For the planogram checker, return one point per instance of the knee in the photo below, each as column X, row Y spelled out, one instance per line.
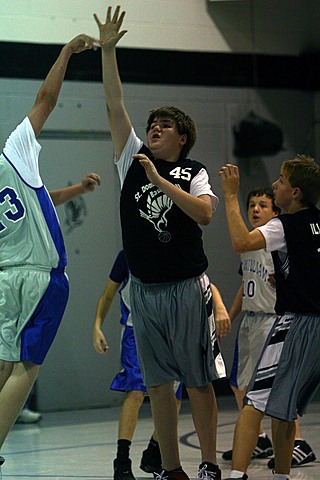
column 135, row 396
column 5, row 366
column 27, row 367
column 200, row 391
column 164, row 391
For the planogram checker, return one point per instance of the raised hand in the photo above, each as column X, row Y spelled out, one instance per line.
column 83, row 42
column 151, row 171
column 90, row 181
column 229, row 179
column 110, row 33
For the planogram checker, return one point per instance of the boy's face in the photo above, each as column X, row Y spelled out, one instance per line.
column 260, row 210
column 283, row 192
column 164, row 140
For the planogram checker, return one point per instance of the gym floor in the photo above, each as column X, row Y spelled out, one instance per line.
column 81, row 444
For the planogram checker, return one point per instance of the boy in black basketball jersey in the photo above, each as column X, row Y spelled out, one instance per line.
column 164, row 197
column 288, row 372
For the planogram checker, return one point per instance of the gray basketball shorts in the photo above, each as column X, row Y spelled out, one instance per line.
column 288, row 373
column 252, row 335
column 175, row 332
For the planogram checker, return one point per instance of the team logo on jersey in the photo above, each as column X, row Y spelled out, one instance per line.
column 158, row 206
column 75, row 211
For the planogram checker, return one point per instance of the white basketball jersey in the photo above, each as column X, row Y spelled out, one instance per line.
column 257, row 295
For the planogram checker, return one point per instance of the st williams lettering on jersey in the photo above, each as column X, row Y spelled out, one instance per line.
column 315, row 229
column 251, row 265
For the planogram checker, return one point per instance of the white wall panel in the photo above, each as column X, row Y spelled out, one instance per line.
column 281, row 26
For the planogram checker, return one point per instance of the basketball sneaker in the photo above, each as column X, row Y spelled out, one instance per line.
column 263, row 449
column 122, row 470
column 302, row 454
column 208, row 471
column 151, row 459
column 28, row 416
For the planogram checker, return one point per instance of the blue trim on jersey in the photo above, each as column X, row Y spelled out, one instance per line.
column 51, row 219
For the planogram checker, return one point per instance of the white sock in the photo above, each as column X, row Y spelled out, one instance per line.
column 236, row 474
column 281, row 476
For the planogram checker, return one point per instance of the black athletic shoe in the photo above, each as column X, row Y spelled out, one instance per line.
column 151, row 460
column 263, row 449
column 302, row 454
column 122, row 470
column 208, row 472
column 227, row 455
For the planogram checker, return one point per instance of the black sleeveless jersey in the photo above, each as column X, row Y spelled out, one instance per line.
column 161, row 242
column 298, row 275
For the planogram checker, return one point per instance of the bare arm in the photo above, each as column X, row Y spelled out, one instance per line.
column 63, row 195
column 242, row 240
column 221, row 317
column 119, row 120
column 99, row 341
column 48, row 93
column 236, row 305
column 197, row 208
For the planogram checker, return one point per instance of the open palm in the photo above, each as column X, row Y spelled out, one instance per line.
column 110, row 31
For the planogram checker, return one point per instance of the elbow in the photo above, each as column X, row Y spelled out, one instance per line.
column 205, row 219
column 205, row 222
column 240, row 246
column 51, row 100
column 47, row 98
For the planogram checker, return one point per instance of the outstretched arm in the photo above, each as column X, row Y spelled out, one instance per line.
column 119, row 120
column 63, row 195
column 99, row 341
column 49, row 91
column 242, row 240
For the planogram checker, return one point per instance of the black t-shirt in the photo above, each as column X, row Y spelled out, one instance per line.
column 161, row 242
column 298, row 275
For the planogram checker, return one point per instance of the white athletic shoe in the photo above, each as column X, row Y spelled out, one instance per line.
column 28, row 416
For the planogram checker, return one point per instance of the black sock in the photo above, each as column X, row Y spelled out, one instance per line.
column 123, row 450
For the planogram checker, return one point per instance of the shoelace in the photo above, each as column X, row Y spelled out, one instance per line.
column 160, row 476
column 204, row 474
